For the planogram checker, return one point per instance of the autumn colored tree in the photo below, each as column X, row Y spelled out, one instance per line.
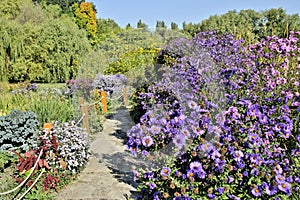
column 85, row 15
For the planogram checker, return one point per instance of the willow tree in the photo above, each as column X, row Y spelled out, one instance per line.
column 40, row 45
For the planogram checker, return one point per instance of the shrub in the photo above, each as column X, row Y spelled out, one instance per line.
column 223, row 123
column 18, row 130
column 111, row 84
column 73, row 146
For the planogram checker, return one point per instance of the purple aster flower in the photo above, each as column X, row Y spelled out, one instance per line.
column 165, row 171
column 254, row 172
column 155, row 129
column 197, row 130
column 196, row 166
column 201, row 174
column 211, row 196
column 289, row 179
column 230, row 179
column 215, row 154
column 185, row 132
column 256, row 191
column 150, row 175
column 253, row 111
column 190, row 173
column 269, row 134
column 263, row 119
column 270, row 191
column 193, row 105
column 238, row 155
column 245, row 173
column 255, row 139
column 147, row 141
column 145, row 153
column 278, row 127
column 285, row 187
column 278, row 169
column 255, row 159
column 279, row 178
column 179, row 140
column 220, row 190
column 240, row 165
column 152, row 186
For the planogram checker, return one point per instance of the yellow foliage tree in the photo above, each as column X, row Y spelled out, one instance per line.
column 86, row 17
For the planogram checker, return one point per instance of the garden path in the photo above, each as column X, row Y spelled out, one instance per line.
column 107, row 175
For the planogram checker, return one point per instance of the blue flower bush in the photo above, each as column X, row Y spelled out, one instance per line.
column 222, row 122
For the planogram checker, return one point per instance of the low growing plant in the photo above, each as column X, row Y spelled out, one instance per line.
column 18, row 130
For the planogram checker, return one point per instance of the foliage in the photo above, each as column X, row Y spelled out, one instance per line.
column 63, row 4
column 49, row 104
column 223, row 122
column 6, row 159
column 107, row 27
column 131, row 60
column 86, row 17
column 18, row 130
column 40, row 45
column 141, row 25
column 252, row 25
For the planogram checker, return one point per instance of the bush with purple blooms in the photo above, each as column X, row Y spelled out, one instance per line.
column 111, row 84
column 223, row 122
column 80, row 87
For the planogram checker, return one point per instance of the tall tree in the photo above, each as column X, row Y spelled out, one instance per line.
column 141, row 25
column 128, row 26
column 86, row 17
column 174, row 26
column 64, row 4
column 160, row 24
column 107, row 26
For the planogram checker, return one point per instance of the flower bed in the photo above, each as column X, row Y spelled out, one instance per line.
column 223, row 122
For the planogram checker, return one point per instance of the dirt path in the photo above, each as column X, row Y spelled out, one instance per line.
column 108, row 173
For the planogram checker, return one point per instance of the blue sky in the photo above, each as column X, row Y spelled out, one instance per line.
column 130, row 11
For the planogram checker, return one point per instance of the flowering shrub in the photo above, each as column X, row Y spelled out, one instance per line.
column 25, row 87
column 79, row 87
column 223, row 123
column 111, row 84
column 73, row 147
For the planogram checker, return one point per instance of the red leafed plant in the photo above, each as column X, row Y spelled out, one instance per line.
column 30, row 157
column 50, row 182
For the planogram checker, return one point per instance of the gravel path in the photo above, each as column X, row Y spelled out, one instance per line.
column 108, row 174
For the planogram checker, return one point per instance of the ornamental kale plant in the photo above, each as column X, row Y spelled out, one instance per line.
column 223, row 123
column 18, row 130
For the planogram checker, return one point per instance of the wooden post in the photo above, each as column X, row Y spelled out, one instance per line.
column 85, row 111
column 103, row 101
column 125, row 96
